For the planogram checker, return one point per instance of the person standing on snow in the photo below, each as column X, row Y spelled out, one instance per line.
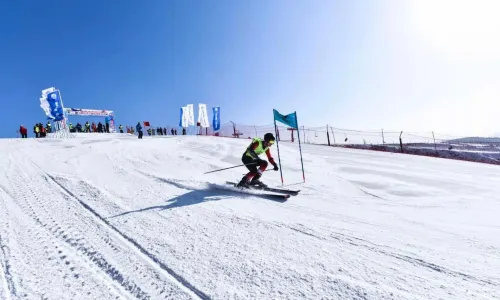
column 138, row 127
column 251, row 159
column 106, row 126
column 23, row 131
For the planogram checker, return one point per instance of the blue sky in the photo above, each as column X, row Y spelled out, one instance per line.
column 399, row 65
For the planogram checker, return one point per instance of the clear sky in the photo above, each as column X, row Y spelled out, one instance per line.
column 399, row 65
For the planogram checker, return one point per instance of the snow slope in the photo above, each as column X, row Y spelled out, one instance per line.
column 113, row 217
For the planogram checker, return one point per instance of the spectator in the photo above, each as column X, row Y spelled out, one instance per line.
column 183, row 131
column 24, row 132
column 94, row 127
column 42, row 131
column 99, row 127
column 36, row 131
column 87, row 127
column 165, row 131
column 172, row 131
column 106, row 121
column 49, row 127
column 121, row 128
column 139, row 129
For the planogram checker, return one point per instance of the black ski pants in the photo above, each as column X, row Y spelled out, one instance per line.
column 253, row 168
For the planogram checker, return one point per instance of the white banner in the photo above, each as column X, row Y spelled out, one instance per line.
column 88, row 112
column 185, row 117
column 203, row 115
column 190, row 114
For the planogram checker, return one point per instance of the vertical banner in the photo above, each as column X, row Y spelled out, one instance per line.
column 185, row 117
column 181, row 116
column 216, row 119
column 190, row 114
column 51, row 103
column 203, row 115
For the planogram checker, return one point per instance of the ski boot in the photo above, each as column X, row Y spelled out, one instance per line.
column 244, row 183
column 257, row 183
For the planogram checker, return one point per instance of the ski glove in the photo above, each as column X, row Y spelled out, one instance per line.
column 258, row 161
column 276, row 167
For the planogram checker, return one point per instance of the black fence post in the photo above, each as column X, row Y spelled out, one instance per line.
column 401, row 142
column 327, row 135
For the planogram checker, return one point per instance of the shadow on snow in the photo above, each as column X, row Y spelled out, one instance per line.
column 195, row 196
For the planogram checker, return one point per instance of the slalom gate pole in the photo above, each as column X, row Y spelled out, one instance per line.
column 278, row 148
column 230, row 168
column 300, row 148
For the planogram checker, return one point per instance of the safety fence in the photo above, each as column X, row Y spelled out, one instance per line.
column 420, row 143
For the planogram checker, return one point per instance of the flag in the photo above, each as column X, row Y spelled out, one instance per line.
column 203, row 116
column 146, row 123
column 185, row 117
column 290, row 119
column 181, row 117
column 190, row 114
column 55, row 105
column 216, row 119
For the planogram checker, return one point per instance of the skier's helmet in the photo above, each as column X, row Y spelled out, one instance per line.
column 269, row 137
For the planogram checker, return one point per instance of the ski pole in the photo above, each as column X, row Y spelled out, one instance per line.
column 230, row 168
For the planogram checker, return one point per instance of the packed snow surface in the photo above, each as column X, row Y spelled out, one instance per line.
column 114, row 217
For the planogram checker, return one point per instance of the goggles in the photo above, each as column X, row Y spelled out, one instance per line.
column 270, row 142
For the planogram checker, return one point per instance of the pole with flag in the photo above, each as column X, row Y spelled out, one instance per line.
column 289, row 120
column 300, row 148
column 278, row 148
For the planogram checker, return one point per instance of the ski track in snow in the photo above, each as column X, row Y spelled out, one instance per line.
column 92, row 241
column 108, row 216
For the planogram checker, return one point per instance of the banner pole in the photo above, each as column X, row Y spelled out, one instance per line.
column 300, row 148
column 278, row 148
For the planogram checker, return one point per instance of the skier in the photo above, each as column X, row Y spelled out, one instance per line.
column 251, row 159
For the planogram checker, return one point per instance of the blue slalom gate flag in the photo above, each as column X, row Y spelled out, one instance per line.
column 55, row 104
column 216, row 119
column 290, row 119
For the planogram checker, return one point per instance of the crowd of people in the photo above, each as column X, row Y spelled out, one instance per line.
column 40, row 131
column 98, row 128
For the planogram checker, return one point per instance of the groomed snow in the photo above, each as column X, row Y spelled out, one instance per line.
column 110, row 216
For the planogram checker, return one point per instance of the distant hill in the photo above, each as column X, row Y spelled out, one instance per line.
column 477, row 140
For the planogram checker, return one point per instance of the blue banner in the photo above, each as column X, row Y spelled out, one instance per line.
column 180, row 119
column 216, row 119
column 56, row 108
column 290, row 119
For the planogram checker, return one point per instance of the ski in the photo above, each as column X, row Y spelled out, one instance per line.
column 273, row 196
column 270, row 189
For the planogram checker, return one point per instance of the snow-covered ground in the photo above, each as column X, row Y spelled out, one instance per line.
column 110, row 216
